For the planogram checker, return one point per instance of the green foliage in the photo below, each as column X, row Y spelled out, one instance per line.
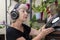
column 34, row 18
column 40, row 8
column 58, row 1
column 50, row 1
column 1, row 26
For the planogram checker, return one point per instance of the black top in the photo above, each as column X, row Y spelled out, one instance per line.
column 13, row 34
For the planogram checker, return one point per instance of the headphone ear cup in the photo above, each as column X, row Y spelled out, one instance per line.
column 14, row 15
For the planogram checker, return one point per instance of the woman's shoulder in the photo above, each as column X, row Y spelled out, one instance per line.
column 24, row 25
column 27, row 28
column 12, row 32
column 10, row 29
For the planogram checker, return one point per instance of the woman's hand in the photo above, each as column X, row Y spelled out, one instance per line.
column 43, row 32
column 46, row 31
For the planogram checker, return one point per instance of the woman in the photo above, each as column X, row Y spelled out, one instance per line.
column 20, row 31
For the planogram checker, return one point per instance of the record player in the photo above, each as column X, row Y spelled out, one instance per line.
column 55, row 23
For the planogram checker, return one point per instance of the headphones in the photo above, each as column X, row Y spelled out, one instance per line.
column 14, row 13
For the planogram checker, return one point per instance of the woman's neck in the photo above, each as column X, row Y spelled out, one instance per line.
column 17, row 24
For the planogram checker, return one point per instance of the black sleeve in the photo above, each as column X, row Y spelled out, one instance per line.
column 28, row 29
column 12, row 34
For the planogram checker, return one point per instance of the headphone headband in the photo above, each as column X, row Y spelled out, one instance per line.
column 17, row 5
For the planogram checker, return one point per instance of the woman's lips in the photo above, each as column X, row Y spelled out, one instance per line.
column 25, row 17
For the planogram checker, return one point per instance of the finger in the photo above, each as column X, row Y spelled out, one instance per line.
column 43, row 27
column 50, row 29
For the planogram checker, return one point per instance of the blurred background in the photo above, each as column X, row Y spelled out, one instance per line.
column 39, row 12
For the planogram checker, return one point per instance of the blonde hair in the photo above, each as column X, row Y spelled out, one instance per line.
column 23, row 6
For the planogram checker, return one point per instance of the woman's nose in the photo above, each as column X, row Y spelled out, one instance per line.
column 26, row 13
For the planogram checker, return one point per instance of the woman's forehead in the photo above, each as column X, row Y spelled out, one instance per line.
column 22, row 9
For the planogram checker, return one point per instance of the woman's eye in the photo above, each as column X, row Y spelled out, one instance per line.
column 23, row 11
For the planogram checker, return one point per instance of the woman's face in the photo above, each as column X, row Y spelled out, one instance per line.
column 23, row 15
